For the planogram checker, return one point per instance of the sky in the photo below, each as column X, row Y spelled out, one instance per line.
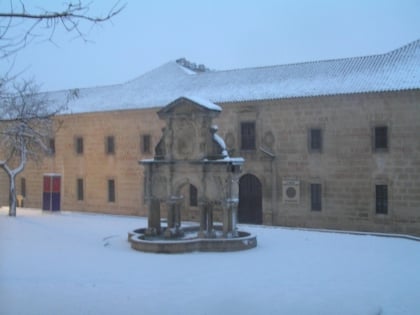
column 221, row 34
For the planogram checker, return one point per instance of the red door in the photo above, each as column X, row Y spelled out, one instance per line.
column 51, row 193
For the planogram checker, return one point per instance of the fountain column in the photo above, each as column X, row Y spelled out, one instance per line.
column 210, row 231
column 206, row 221
column 153, row 204
column 229, row 217
column 203, row 220
column 174, row 216
column 153, row 227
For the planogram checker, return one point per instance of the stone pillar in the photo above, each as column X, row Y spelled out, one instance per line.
column 230, row 217
column 171, row 215
column 234, row 216
column 210, row 221
column 203, row 220
column 177, row 215
column 154, row 227
column 227, row 222
column 174, row 216
column 210, row 232
column 206, row 221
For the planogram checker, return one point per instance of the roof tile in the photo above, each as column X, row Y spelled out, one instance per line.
column 393, row 71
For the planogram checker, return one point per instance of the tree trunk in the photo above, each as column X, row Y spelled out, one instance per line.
column 12, row 173
column 12, row 195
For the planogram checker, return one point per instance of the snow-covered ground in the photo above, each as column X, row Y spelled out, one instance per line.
column 73, row 263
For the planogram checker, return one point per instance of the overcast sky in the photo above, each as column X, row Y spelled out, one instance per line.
column 222, row 34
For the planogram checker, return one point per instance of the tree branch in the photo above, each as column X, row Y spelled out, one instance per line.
column 64, row 15
column 69, row 19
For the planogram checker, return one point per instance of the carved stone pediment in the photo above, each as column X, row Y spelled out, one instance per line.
column 190, row 106
column 189, row 133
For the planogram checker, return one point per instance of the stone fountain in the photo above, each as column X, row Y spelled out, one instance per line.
column 190, row 152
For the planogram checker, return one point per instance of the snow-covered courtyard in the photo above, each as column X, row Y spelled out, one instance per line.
column 73, row 263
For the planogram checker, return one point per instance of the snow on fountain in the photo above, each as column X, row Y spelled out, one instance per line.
column 190, row 153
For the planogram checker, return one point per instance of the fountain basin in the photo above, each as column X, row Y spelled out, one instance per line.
column 190, row 242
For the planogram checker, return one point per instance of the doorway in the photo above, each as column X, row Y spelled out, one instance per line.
column 250, row 200
column 51, row 195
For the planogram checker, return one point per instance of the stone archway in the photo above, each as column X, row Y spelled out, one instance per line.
column 189, row 207
column 250, row 200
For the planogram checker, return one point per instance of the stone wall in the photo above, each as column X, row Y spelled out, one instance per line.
column 347, row 167
column 95, row 166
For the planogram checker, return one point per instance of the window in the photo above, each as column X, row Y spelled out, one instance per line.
column 79, row 145
column 381, row 138
column 193, row 196
column 23, row 186
column 381, row 196
column 315, row 140
column 111, row 190
column 248, row 136
column 316, row 197
column 80, row 189
column 145, row 144
column 110, row 145
column 52, row 146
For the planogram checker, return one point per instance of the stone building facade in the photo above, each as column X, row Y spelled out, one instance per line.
column 329, row 144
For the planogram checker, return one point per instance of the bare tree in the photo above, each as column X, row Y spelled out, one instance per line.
column 19, row 26
column 26, row 116
column 27, row 126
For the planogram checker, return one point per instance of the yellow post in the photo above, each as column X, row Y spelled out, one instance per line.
column 19, row 200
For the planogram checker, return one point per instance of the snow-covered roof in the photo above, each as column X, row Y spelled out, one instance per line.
column 198, row 101
column 392, row 71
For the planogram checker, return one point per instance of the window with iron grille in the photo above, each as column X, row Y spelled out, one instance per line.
column 381, row 196
column 80, row 189
column 315, row 140
column 79, row 145
column 111, row 190
column 52, row 146
column 110, row 145
column 248, row 137
column 381, row 138
column 146, row 143
column 316, row 197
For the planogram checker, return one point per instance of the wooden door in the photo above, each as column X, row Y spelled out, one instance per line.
column 250, row 200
